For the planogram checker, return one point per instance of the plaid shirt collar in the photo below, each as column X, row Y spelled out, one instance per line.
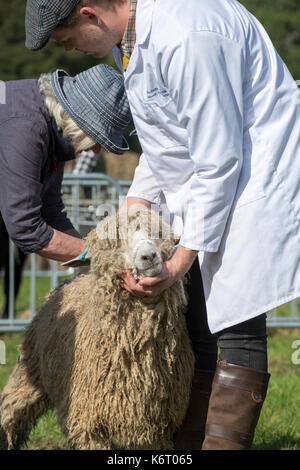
column 128, row 41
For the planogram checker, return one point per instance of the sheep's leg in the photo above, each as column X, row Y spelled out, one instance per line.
column 22, row 402
column 84, row 440
column 79, row 428
column 3, row 439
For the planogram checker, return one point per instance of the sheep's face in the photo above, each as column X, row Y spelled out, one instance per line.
column 140, row 242
column 144, row 255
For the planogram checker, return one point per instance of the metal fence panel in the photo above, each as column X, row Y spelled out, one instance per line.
column 87, row 198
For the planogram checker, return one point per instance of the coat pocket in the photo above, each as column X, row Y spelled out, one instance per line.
column 160, row 116
column 248, row 199
column 250, row 186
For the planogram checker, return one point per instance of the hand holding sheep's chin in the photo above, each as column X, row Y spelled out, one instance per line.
column 150, row 286
column 172, row 270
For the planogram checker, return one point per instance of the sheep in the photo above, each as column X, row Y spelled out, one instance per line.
column 117, row 368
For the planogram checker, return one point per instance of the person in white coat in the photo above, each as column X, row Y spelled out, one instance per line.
column 218, row 117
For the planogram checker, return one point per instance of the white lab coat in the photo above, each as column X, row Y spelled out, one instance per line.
column 218, row 117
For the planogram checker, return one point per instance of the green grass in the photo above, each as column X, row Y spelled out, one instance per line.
column 277, row 429
column 284, row 310
column 46, row 434
column 43, row 286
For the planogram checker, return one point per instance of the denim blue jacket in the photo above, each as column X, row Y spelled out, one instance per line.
column 32, row 155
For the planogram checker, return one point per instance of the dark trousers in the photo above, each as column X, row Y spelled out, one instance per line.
column 244, row 344
column 19, row 261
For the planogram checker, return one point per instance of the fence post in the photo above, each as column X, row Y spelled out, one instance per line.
column 2, row 353
column 294, row 308
column 54, row 274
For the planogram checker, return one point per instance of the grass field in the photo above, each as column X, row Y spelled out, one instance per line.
column 279, row 425
column 23, row 300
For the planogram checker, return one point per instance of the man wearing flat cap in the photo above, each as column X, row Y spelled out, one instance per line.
column 44, row 123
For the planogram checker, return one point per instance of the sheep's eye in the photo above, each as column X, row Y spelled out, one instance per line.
column 144, row 257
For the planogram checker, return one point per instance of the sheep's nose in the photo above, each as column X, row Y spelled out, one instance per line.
column 149, row 257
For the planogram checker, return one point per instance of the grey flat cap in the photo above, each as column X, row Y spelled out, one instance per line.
column 96, row 100
column 42, row 17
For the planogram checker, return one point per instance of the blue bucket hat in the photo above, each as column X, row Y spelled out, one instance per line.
column 42, row 17
column 96, row 100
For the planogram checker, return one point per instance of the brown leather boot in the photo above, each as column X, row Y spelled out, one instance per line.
column 191, row 433
column 235, row 403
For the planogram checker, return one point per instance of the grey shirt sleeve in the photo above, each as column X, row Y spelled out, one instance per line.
column 27, row 209
column 53, row 209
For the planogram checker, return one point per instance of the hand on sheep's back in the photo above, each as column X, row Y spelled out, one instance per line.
column 168, row 272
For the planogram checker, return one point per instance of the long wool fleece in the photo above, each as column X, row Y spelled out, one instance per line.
column 114, row 366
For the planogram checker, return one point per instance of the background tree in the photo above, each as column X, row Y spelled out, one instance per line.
column 17, row 62
column 281, row 19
